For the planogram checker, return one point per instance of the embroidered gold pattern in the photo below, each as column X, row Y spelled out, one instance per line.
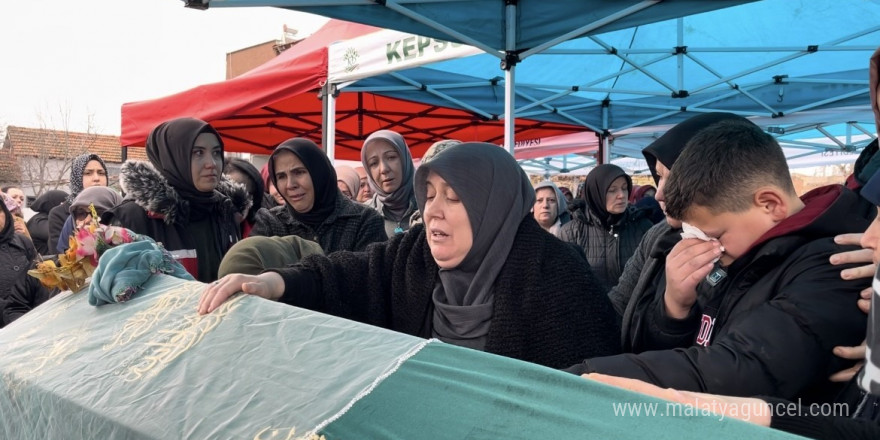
column 55, row 354
column 171, row 332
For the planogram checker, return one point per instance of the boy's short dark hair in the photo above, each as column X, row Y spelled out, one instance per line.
column 722, row 166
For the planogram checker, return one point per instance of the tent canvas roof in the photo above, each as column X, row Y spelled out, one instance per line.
column 279, row 100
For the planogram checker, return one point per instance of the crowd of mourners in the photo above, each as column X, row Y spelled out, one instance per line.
column 718, row 282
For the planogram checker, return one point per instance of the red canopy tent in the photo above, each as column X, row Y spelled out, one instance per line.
column 279, row 100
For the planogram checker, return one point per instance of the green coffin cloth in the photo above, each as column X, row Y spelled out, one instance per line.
column 449, row 392
column 152, row 368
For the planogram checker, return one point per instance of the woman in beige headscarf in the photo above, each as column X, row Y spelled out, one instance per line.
column 348, row 181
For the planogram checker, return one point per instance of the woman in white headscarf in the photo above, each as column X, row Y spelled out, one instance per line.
column 478, row 273
column 390, row 170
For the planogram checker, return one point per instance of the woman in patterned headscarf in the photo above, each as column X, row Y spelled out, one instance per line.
column 180, row 197
column 86, row 170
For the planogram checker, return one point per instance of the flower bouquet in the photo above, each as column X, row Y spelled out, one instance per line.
column 76, row 265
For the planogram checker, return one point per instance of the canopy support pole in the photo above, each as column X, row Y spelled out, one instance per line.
column 679, row 52
column 604, row 155
column 328, row 110
column 509, row 101
column 509, row 66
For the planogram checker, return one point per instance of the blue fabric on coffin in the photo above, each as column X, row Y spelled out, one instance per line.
column 123, row 270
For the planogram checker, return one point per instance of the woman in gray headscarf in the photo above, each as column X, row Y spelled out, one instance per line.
column 551, row 208
column 101, row 197
column 87, row 170
column 479, row 272
column 390, row 170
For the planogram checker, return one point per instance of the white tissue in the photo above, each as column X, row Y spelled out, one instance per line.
column 691, row 231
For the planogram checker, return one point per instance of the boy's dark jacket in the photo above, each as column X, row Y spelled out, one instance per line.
column 778, row 314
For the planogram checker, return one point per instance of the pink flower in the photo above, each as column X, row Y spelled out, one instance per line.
column 87, row 246
column 115, row 236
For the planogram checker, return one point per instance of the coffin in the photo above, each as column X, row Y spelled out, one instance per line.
column 152, row 368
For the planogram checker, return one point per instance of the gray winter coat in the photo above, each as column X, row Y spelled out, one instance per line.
column 609, row 249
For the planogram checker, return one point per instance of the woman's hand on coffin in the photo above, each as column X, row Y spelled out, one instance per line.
column 267, row 285
column 687, row 265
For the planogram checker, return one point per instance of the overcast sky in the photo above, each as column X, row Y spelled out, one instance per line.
column 90, row 57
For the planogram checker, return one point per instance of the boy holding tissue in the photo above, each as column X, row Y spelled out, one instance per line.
column 751, row 301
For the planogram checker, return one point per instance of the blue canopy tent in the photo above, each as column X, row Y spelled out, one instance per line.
column 797, row 69
column 507, row 30
column 758, row 60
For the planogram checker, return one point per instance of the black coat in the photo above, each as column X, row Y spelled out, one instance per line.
column 25, row 295
column 607, row 249
column 154, row 208
column 547, row 308
column 17, row 254
column 351, row 226
column 38, row 227
column 776, row 316
column 641, row 275
column 57, row 216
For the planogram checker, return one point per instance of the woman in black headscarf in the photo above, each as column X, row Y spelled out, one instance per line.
column 180, row 198
column 480, row 272
column 609, row 229
column 17, row 253
column 38, row 225
column 389, row 166
column 87, row 170
column 314, row 209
